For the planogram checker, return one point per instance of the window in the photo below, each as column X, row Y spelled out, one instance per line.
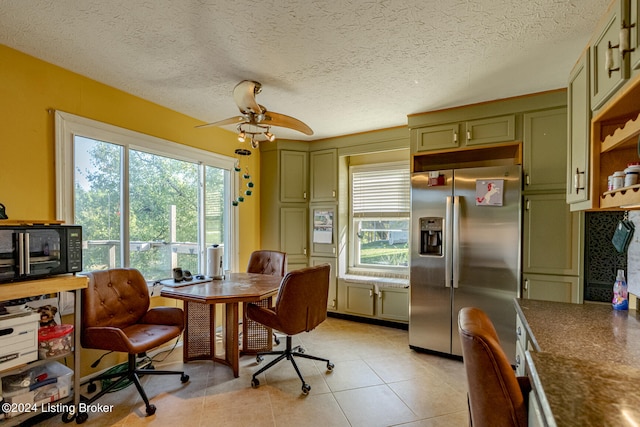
column 380, row 207
column 142, row 202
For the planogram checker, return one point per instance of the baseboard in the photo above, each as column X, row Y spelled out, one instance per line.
column 369, row 320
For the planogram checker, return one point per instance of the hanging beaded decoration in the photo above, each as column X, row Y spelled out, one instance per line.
column 246, row 176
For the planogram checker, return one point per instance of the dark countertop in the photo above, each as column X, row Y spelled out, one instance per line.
column 584, row 393
column 587, row 331
column 585, row 364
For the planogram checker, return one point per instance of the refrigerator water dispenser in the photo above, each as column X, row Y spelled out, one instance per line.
column 431, row 236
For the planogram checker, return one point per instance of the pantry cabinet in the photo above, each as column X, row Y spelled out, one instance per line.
column 284, row 176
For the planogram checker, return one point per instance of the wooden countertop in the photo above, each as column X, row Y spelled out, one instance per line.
column 28, row 288
column 585, row 364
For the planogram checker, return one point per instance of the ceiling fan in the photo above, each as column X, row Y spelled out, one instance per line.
column 255, row 121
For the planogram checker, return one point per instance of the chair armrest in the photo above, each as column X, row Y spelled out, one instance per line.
column 105, row 338
column 170, row 316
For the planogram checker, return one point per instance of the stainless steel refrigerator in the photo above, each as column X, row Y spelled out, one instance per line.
column 465, row 251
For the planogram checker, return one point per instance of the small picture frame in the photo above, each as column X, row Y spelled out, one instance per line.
column 489, row 192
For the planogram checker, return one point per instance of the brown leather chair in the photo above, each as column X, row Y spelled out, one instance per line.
column 301, row 305
column 273, row 263
column 496, row 396
column 116, row 317
column 268, row 262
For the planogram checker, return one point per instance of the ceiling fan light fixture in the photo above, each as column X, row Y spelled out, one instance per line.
column 241, row 136
column 271, row 137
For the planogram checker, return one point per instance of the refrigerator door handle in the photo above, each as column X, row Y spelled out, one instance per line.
column 456, row 241
column 448, row 220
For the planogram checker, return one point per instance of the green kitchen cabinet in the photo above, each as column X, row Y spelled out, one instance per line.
column 634, row 36
column 323, row 165
column 393, row 304
column 579, row 135
column 607, row 78
column 545, row 150
column 356, row 298
column 294, row 176
column 551, row 236
column 332, row 301
column 293, row 234
column 552, row 288
column 474, row 132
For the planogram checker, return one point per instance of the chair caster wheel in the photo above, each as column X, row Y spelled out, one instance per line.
column 330, row 366
column 81, row 417
column 92, row 387
column 305, row 389
column 184, row 378
column 67, row 417
column 301, row 350
column 151, row 409
column 255, row 383
column 259, row 359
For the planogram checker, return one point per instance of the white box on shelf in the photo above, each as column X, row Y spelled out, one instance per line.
column 18, row 339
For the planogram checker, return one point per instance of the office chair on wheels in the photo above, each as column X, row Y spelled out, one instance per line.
column 496, row 396
column 301, row 305
column 116, row 317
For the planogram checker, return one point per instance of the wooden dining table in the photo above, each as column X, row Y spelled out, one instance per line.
column 200, row 301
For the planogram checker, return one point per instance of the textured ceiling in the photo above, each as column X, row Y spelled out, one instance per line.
column 341, row 66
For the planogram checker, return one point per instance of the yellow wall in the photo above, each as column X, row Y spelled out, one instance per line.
column 30, row 87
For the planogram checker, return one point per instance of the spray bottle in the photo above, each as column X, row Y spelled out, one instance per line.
column 620, row 295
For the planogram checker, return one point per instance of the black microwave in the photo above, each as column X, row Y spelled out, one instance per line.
column 37, row 251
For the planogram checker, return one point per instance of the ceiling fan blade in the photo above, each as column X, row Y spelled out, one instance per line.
column 277, row 119
column 245, row 96
column 229, row 121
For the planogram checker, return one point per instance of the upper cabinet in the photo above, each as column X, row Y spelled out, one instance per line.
column 579, row 121
column 615, row 123
column 324, row 175
column 634, row 36
column 472, row 132
column 545, row 149
column 609, row 67
column 293, row 176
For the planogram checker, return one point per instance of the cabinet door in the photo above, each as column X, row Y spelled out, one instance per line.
column 332, row 301
column 437, row 137
column 356, row 298
column 551, row 288
column 393, row 304
column 293, row 176
column 634, row 35
column 293, row 234
column 323, row 233
column 324, row 175
column 551, row 236
column 579, row 123
column 491, row 130
column 545, row 149
column 605, row 80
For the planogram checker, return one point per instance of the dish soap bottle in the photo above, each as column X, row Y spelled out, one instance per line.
column 620, row 295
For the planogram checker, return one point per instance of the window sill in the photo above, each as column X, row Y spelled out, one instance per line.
column 378, row 280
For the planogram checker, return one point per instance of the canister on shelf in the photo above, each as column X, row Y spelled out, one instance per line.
column 631, row 174
column 617, row 180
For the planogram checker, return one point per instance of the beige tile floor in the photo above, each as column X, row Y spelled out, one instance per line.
column 377, row 381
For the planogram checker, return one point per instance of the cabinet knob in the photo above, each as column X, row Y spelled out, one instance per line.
column 455, row 137
column 608, row 59
column 469, row 135
column 517, row 360
column 370, row 293
column 333, row 193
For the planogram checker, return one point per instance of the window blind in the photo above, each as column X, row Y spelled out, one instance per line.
column 381, row 193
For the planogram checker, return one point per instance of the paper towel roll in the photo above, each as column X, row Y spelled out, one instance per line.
column 214, row 262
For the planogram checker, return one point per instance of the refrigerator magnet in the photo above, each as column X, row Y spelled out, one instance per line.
column 489, row 192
